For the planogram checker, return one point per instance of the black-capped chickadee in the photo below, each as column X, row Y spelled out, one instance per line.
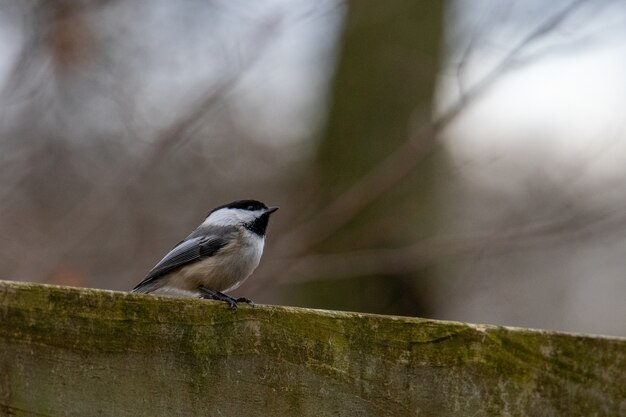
column 217, row 257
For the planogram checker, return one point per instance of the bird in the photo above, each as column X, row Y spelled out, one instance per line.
column 215, row 258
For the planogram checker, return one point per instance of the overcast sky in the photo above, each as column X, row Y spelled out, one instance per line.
column 564, row 104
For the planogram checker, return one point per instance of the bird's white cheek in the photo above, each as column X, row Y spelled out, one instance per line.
column 221, row 218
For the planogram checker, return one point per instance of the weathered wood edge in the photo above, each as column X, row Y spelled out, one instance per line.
column 8, row 286
column 376, row 365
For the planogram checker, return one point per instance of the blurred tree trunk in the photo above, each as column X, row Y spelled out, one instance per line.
column 384, row 83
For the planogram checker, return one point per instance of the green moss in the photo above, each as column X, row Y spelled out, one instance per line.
column 77, row 352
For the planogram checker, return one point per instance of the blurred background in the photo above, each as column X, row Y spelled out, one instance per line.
column 453, row 160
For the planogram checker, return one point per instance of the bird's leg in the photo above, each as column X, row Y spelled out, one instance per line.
column 216, row 295
column 220, row 296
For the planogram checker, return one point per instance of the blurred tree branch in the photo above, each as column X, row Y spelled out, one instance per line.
column 391, row 171
column 429, row 252
column 94, row 206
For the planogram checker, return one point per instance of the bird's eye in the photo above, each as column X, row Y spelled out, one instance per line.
column 251, row 208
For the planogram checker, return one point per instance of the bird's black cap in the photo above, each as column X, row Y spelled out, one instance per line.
column 251, row 205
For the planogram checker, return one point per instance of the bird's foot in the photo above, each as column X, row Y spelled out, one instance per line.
column 216, row 295
column 244, row 300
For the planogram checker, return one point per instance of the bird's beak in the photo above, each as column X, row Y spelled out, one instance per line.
column 270, row 210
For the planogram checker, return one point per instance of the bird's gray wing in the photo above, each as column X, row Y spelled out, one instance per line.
column 186, row 252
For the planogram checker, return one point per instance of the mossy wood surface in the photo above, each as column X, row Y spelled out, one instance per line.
column 82, row 352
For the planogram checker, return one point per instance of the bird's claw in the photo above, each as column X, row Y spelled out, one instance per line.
column 216, row 295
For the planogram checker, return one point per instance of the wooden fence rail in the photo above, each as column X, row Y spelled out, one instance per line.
column 85, row 352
